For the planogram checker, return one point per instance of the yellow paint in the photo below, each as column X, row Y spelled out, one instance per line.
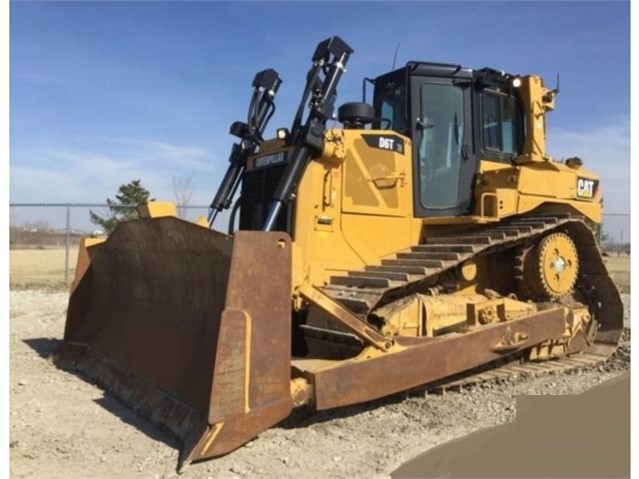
column 503, row 190
column 202, row 221
column 84, row 261
column 365, row 193
column 247, row 360
column 537, row 101
column 354, row 204
column 156, row 209
column 213, row 433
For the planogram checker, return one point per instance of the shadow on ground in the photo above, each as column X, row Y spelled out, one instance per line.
column 585, row 436
column 46, row 347
column 127, row 415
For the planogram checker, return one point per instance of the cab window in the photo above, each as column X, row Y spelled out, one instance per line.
column 500, row 123
column 393, row 106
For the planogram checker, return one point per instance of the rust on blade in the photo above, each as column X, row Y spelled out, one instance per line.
column 141, row 304
column 178, row 322
column 415, row 362
column 251, row 389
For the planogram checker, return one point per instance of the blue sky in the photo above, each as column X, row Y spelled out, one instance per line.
column 105, row 92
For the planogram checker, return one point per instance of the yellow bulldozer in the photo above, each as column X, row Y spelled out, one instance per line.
column 420, row 238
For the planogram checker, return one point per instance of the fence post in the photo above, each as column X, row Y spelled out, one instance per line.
column 66, row 250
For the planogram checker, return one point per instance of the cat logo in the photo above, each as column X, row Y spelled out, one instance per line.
column 586, row 188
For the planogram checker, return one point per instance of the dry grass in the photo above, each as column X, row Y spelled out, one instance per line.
column 619, row 268
column 40, row 268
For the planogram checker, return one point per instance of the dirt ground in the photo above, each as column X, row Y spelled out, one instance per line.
column 64, row 427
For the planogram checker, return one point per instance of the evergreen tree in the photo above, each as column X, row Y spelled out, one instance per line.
column 123, row 208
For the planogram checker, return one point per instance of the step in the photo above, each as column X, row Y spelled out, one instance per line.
column 445, row 248
column 360, row 281
column 445, row 256
column 394, row 276
column 457, row 239
column 425, row 263
column 399, row 269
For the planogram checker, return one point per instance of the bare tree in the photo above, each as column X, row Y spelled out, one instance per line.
column 13, row 219
column 183, row 188
column 35, row 226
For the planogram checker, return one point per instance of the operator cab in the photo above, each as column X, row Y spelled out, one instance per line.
column 455, row 118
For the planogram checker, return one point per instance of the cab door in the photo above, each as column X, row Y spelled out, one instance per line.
column 443, row 159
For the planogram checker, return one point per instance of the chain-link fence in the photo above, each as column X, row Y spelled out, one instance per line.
column 44, row 237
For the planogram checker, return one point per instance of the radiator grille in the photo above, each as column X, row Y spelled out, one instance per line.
column 258, row 188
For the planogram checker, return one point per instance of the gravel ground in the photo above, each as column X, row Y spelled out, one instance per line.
column 63, row 427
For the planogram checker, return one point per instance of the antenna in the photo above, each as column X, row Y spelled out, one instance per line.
column 550, row 95
column 395, row 56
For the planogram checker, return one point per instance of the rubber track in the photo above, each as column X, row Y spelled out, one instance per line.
column 418, row 268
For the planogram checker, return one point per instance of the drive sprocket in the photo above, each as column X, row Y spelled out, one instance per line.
column 548, row 269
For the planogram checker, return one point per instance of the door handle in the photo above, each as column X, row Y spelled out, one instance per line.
column 401, row 177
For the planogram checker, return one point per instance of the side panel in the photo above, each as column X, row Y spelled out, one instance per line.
column 377, row 205
column 505, row 190
column 377, row 174
column 320, row 243
column 357, row 209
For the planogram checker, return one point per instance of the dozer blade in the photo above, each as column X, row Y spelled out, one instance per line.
column 189, row 327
